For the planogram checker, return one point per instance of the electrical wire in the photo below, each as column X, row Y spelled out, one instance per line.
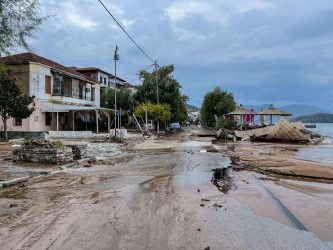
column 137, row 71
column 122, row 28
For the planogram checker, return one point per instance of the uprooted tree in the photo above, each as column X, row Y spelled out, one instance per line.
column 19, row 21
column 13, row 103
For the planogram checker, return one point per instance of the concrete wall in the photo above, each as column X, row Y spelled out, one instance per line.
column 26, row 135
column 104, row 76
column 70, row 134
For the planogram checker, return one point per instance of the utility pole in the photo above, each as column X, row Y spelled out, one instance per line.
column 116, row 58
column 157, row 96
column 1, row 18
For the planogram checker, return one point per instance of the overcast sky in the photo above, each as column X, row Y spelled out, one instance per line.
column 265, row 51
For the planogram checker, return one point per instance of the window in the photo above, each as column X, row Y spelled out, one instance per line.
column 47, row 84
column 67, row 87
column 19, row 80
column 17, row 121
column 104, row 80
column 101, row 79
column 75, row 88
column 48, row 118
column 57, row 85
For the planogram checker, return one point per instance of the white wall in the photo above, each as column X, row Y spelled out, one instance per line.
column 104, row 76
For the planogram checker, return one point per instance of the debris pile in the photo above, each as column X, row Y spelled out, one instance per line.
column 47, row 152
column 79, row 151
column 283, row 131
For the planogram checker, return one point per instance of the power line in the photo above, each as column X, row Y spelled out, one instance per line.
column 136, row 72
column 126, row 32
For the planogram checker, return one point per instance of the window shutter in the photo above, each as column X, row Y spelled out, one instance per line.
column 48, row 84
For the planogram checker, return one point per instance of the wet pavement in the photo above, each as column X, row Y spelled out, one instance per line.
column 155, row 195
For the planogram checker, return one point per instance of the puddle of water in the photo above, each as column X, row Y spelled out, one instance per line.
column 222, row 179
column 309, row 202
column 318, row 153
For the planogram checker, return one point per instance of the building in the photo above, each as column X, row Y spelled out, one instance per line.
column 104, row 78
column 96, row 74
column 65, row 99
column 130, row 87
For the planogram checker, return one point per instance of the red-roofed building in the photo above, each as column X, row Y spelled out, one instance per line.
column 104, row 78
column 65, row 99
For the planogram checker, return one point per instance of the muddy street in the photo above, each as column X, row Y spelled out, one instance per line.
column 155, row 195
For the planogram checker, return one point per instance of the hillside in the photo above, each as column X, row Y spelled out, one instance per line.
column 303, row 110
column 296, row 109
column 317, row 118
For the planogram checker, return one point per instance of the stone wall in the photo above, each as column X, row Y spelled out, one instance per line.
column 79, row 151
column 25, row 135
column 70, row 134
column 44, row 155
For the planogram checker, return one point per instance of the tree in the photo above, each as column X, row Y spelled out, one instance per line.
column 125, row 99
column 156, row 112
column 12, row 102
column 169, row 91
column 19, row 21
column 217, row 103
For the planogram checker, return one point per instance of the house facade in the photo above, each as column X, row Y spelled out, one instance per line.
column 64, row 98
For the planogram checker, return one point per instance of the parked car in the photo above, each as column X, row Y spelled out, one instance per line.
column 175, row 126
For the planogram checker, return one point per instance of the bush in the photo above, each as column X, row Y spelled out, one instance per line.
column 225, row 124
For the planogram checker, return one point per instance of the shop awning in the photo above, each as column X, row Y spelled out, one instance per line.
column 55, row 107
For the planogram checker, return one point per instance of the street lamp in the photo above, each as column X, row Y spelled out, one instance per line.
column 116, row 58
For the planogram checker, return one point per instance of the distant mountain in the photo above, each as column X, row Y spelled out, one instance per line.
column 257, row 108
column 192, row 107
column 316, row 118
column 303, row 110
column 296, row 109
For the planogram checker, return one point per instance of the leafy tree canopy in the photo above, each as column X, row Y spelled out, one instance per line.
column 169, row 91
column 125, row 99
column 216, row 102
column 19, row 21
column 12, row 102
column 156, row 112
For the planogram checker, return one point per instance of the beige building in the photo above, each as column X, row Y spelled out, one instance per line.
column 65, row 100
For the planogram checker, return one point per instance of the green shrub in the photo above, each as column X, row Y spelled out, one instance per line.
column 225, row 124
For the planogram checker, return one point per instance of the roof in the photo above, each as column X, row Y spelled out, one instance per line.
column 128, row 85
column 29, row 57
column 240, row 110
column 273, row 111
column 90, row 69
column 95, row 69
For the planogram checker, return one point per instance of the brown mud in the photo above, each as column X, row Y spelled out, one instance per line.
column 157, row 195
column 304, row 187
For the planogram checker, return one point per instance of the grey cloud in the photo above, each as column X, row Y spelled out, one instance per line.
column 263, row 51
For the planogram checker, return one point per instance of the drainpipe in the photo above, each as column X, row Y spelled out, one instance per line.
column 73, row 120
column 120, row 119
column 109, row 123
column 57, row 121
column 97, row 121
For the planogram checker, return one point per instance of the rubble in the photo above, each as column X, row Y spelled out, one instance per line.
column 47, row 152
column 283, row 131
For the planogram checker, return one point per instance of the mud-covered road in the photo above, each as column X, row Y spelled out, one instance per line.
column 156, row 195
